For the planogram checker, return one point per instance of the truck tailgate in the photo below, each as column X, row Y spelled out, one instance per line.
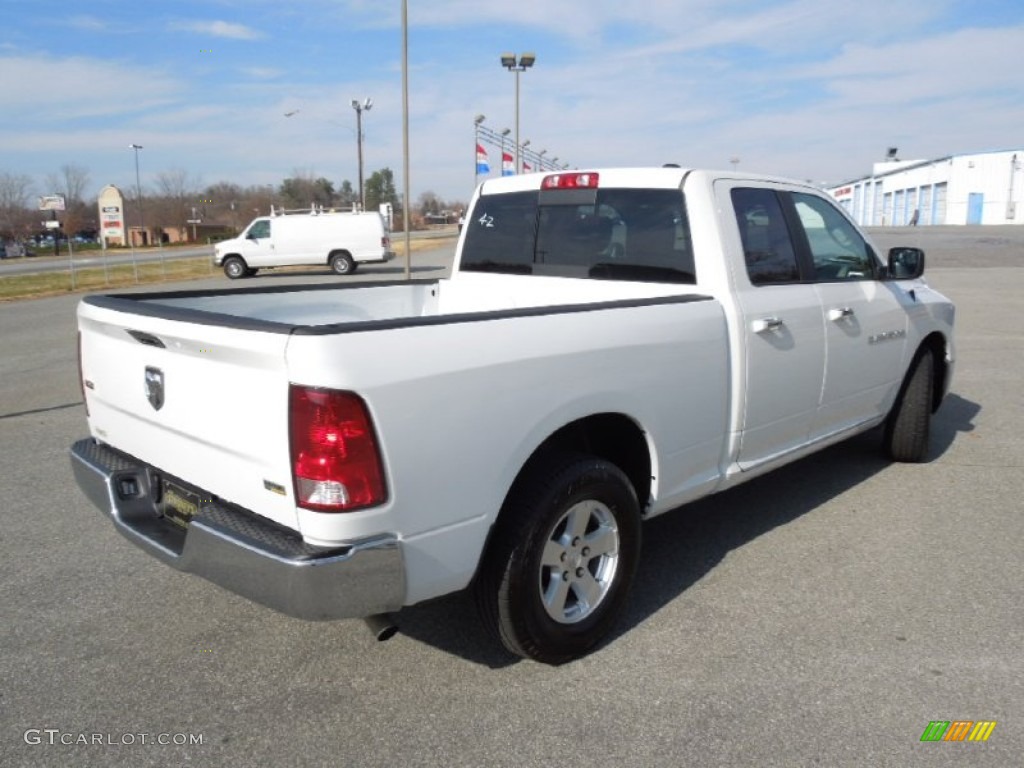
column 202, row 402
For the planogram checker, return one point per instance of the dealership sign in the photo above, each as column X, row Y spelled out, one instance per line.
column 110, row 203
column 51, row 203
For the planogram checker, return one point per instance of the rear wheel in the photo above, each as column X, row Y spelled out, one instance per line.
column 561, row 560
column 342, row 263
column 235, row 267
column 908, row 427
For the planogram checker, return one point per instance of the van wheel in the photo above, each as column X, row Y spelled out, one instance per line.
column 342, row 264
column 562, row 557
column 908, row 427
column 234, row 267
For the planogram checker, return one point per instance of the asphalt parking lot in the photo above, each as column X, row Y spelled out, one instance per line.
column 819, row 616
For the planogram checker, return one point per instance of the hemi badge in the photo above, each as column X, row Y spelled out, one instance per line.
column 886, row 336
column 275, row 488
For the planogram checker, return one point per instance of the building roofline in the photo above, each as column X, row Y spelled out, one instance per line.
column 922, row 164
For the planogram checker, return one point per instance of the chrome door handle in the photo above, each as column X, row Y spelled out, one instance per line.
column 840, row 313
column 766, row 324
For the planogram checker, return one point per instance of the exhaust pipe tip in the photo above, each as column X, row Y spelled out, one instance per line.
column 382, row 625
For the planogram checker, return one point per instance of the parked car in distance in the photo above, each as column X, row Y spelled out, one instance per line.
column 15, row 250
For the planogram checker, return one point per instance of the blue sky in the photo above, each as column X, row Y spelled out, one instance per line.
column 810, row 89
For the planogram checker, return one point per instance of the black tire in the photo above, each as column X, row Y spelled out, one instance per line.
column 908, row 428
column 543, row 589
column 235, row 267
column 342, row 263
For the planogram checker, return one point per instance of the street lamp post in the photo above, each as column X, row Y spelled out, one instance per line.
column 405, row 138
column 360, row 107
column 526, row 60
column 138, row 186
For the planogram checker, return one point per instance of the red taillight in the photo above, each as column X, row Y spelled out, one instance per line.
column 336, row 465
column 570, row 181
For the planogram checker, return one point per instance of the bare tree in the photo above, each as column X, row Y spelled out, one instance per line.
column 71, row 182
column 220, row 203
column 430, row 203
column 177, row 193
column 15, row 193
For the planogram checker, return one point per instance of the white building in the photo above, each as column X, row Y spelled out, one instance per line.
column 984, row 188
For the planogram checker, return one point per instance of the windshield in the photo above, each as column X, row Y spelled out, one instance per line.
column 615, row 234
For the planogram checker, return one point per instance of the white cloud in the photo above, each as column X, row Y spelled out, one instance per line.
column 80, row 87
column 88, row 23
column 218, row 29
column 261, row 73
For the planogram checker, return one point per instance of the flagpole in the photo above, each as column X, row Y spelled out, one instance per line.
column 476, row 149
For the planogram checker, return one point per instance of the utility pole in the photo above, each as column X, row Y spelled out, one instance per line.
column 360, row 107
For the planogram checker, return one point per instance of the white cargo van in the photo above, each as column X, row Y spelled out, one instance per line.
column 338, row 240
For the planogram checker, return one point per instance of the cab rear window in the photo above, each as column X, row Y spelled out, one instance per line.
column 611, row 234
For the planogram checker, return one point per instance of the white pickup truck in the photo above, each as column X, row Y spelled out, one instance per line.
column 611, row 345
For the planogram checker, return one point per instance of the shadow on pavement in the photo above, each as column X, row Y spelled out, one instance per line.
column 682, row 547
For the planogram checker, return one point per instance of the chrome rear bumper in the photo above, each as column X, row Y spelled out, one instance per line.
column 241, row 551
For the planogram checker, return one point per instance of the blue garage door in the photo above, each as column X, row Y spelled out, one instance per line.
column 939, row 204
column 975, row 207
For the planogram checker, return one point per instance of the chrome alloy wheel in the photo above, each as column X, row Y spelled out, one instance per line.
column 579, row 561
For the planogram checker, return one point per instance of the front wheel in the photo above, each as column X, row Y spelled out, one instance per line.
column 235, row 267
column 342, row 264
column 908, row 427
column 561, row 560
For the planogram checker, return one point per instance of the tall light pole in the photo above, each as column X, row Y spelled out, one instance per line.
column 138, row 186
column 508, row 61
column 360, row 107
column 405, row 137
column 541, row 156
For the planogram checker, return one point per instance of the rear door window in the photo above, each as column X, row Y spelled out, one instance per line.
column 767, row 246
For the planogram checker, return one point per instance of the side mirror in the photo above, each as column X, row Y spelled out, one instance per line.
column 906, row 263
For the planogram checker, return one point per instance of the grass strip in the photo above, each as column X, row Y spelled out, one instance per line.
column 95, row 278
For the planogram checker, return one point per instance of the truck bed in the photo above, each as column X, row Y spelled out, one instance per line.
column 329, row 308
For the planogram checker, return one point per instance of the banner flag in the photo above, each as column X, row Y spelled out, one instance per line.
column 482, row 166
column 508, row 167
